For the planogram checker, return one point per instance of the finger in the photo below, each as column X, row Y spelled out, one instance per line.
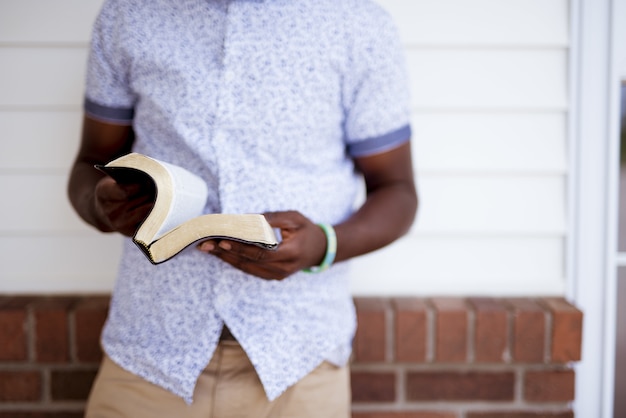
column 207, row 246
column 139, row 212
column 239, row 253
column 131, row 189
column 108, row 190
column 284, row 220
column 265, row 271
column 142, row 201
column 125, row 216
column 247, row 251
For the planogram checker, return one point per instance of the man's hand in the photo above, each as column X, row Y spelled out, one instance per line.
column 303, row 245
column 122, row 207
column 97, row 198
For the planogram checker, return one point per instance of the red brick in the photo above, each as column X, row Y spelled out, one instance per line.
column 567, row 322
column 408, row 414
column 370, row 338
column 89, row 317
column 491, row 332
column 71, row 385
column 460, row 386
column 18, row 302
column 521, row 414
column 411, row 327
column 20, row 386
column 13, row 336
column 373, row 386
column 451, row 330
column 549, row 386
column 529, row 331
column 51, row 329
column 41, row 414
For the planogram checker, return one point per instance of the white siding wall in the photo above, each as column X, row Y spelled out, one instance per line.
column 44, row 246
column 489, row 85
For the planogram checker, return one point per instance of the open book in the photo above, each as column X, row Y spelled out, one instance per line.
column 176, row 220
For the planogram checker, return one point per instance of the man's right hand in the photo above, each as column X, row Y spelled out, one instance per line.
column 97, row 198
column 122, row 207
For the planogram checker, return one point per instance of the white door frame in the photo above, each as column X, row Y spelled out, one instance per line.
column 597, row 48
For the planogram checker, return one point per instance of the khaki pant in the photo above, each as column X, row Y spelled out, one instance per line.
column 228, row 388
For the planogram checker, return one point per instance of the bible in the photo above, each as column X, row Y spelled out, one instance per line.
column 176, row 220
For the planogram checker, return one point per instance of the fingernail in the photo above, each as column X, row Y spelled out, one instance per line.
column 206, row 246
column 225, row 245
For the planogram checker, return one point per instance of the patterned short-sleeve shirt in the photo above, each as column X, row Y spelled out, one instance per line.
column 268, row 101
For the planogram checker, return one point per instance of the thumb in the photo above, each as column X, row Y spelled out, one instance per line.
column 285, row 219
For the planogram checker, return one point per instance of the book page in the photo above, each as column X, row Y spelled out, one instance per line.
column 249, row 228
column 189, row 198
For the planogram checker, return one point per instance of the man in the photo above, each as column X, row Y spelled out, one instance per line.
column 281, row 106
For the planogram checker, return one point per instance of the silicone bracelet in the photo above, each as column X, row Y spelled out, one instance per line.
column 331, row 250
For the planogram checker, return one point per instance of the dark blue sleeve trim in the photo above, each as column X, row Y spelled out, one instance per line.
column 120, row 115
column 371, row 146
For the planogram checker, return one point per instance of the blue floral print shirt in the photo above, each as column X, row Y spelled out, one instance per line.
column 268, row 101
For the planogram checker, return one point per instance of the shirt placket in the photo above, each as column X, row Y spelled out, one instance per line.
column 225, row 107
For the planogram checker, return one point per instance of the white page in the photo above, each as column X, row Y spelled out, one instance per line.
column 189, row 199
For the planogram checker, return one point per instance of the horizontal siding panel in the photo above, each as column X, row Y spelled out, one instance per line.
column 487, row 266
column 494, row 78
column 463, row 266
column 46, row 21
column 511, row 22
column 468, row 204
column 491, row 204
column 481, row 22
column 71, row 264
column 489, row 142
column 440, row 78
column 38, row 140
column 43, row 205
column 42, row 76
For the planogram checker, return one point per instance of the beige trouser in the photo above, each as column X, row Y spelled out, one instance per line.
column 228, row 388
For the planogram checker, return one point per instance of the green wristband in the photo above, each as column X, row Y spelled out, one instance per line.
column 331, row 250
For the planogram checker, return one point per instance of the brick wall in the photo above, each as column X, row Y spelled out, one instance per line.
column 413, row 358
column 465, row 358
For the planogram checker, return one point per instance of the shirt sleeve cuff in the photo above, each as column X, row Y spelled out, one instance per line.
column 379, row 144
column 117, row 115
